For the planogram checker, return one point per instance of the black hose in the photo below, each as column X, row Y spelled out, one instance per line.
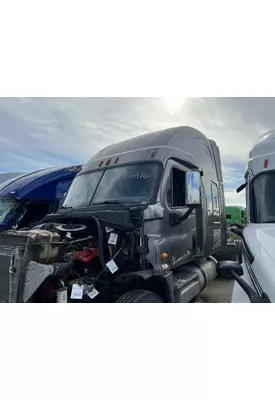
column 252, row 295
column 100, row 244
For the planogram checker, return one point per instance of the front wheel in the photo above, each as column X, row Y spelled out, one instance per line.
column 140, row 296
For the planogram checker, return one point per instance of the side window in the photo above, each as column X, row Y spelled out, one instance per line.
column 176, row 192
column 215, row 201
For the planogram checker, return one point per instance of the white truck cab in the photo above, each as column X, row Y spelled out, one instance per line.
column 258, row 237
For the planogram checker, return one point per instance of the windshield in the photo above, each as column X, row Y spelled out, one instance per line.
column 6, row 205
column 134, row 183
column 82, row 189
column 263, row 195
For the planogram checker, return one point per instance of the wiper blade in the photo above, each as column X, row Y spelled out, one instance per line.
column 117, row 202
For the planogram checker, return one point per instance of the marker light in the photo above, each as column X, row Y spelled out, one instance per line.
column 266, row 163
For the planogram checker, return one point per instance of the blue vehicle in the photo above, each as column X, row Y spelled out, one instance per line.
column 5, row 176
column 26, row 199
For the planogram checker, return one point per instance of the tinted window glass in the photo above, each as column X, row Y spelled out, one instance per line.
column 133, row 183
column 176, row 193
column 82, row 190
column 6, row 205
column 263, row 198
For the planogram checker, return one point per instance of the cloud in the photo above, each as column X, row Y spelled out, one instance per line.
column 41, row 132
column 234, row 199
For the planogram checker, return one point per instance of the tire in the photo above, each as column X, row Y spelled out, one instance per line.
column 140, row 296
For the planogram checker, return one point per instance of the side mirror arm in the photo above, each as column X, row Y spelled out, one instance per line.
column 252, row 295
column 242, row 187
column 232, row 269
column 176, row 219
column 238, row 232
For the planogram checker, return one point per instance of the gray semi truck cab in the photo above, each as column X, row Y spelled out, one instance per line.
column 142, row 222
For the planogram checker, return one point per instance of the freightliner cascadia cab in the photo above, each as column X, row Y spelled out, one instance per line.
column 142, row 222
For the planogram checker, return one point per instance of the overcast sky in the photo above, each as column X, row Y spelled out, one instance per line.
column 40, row 132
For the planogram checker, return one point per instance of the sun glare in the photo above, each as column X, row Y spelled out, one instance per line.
column 173, row 103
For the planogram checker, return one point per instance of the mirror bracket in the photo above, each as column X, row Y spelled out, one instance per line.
column 176, row 219
column 225, row 269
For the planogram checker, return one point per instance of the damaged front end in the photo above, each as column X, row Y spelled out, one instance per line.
column 72, row 257
column 95, row 247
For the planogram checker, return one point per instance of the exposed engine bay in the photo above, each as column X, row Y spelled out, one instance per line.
column 78, row 260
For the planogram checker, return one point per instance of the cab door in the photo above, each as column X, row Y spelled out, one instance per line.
column 216, row 217
column 180, row 237
column 216, row 208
